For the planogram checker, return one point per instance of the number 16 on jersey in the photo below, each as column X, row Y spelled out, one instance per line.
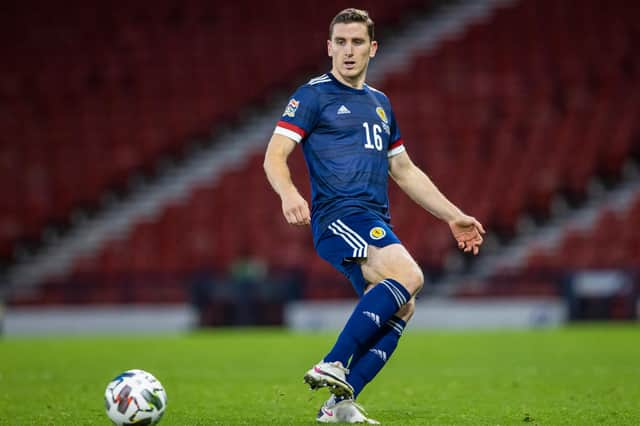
column 377, row 139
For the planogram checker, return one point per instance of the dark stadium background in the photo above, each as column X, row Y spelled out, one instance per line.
column 132, row 133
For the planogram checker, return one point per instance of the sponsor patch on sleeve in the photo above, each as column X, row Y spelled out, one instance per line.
column 292, row 107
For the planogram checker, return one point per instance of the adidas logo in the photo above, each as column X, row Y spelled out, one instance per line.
column 343, row 110
column 373, row 317
column 381, row 354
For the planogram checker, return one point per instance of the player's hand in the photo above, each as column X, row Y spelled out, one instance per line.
column 468, row 233
column 295, row 209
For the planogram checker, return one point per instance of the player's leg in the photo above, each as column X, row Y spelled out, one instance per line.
column 381, row 346
column 370, row 359
column 398, row 279
column 364, row 366
column 346, row 246
column 402, row 279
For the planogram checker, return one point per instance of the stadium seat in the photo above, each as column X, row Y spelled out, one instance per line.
column 106, row 91
column 503, row 117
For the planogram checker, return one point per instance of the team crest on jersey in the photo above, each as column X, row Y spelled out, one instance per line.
column 377, row 233
column 382, row 114
column 292, row 107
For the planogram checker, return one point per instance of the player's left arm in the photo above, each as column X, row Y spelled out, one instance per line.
column 466, row 229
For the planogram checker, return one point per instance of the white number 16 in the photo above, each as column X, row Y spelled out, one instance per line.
column 377, row 139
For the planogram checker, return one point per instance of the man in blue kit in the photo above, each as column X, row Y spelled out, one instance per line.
column 351, row 143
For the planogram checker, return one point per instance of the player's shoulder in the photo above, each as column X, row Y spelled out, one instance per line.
column 378, row 93
column 319, row 81
column 320, row 84
column 314, row 86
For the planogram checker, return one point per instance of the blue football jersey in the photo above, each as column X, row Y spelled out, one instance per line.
column 347, row 137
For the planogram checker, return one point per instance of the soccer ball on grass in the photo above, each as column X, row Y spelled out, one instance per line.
column 135, row 397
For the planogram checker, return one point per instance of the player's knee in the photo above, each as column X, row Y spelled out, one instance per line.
column 413, row 279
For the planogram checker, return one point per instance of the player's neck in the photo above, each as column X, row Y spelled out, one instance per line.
column 355, row 83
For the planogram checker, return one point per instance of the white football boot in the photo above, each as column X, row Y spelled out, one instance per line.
column 332, row 375
column 345, row 411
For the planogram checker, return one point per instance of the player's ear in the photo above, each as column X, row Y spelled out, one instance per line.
column 374, row 49
column 329, row 48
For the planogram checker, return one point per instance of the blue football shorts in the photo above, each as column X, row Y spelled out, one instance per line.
column 344, row 244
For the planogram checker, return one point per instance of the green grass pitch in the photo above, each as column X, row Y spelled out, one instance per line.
column 580, row 375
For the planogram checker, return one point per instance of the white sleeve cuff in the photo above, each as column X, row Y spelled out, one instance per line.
column 288, row 133
column 395, row 151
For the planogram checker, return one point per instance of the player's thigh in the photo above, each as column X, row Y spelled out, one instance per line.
column 392, row 261
column 346, row 242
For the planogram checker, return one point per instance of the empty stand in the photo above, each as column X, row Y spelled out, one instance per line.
column 91, row 94
column 609, row 244
column 522, row 115
column 528, row 106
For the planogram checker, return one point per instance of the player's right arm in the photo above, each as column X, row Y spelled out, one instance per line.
column 294, row 206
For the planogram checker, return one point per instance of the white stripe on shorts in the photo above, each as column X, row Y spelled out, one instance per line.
column 346, row 239
column 355, row 241
column 355, row 235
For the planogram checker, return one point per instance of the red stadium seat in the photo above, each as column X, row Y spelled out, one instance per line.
column 504, row 118
column 123, row 85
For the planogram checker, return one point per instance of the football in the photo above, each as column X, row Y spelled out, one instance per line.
column 135, row 397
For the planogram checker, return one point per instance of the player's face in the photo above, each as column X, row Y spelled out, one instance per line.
column 350, row 50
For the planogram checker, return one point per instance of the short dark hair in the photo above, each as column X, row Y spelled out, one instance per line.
column 353, row 15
